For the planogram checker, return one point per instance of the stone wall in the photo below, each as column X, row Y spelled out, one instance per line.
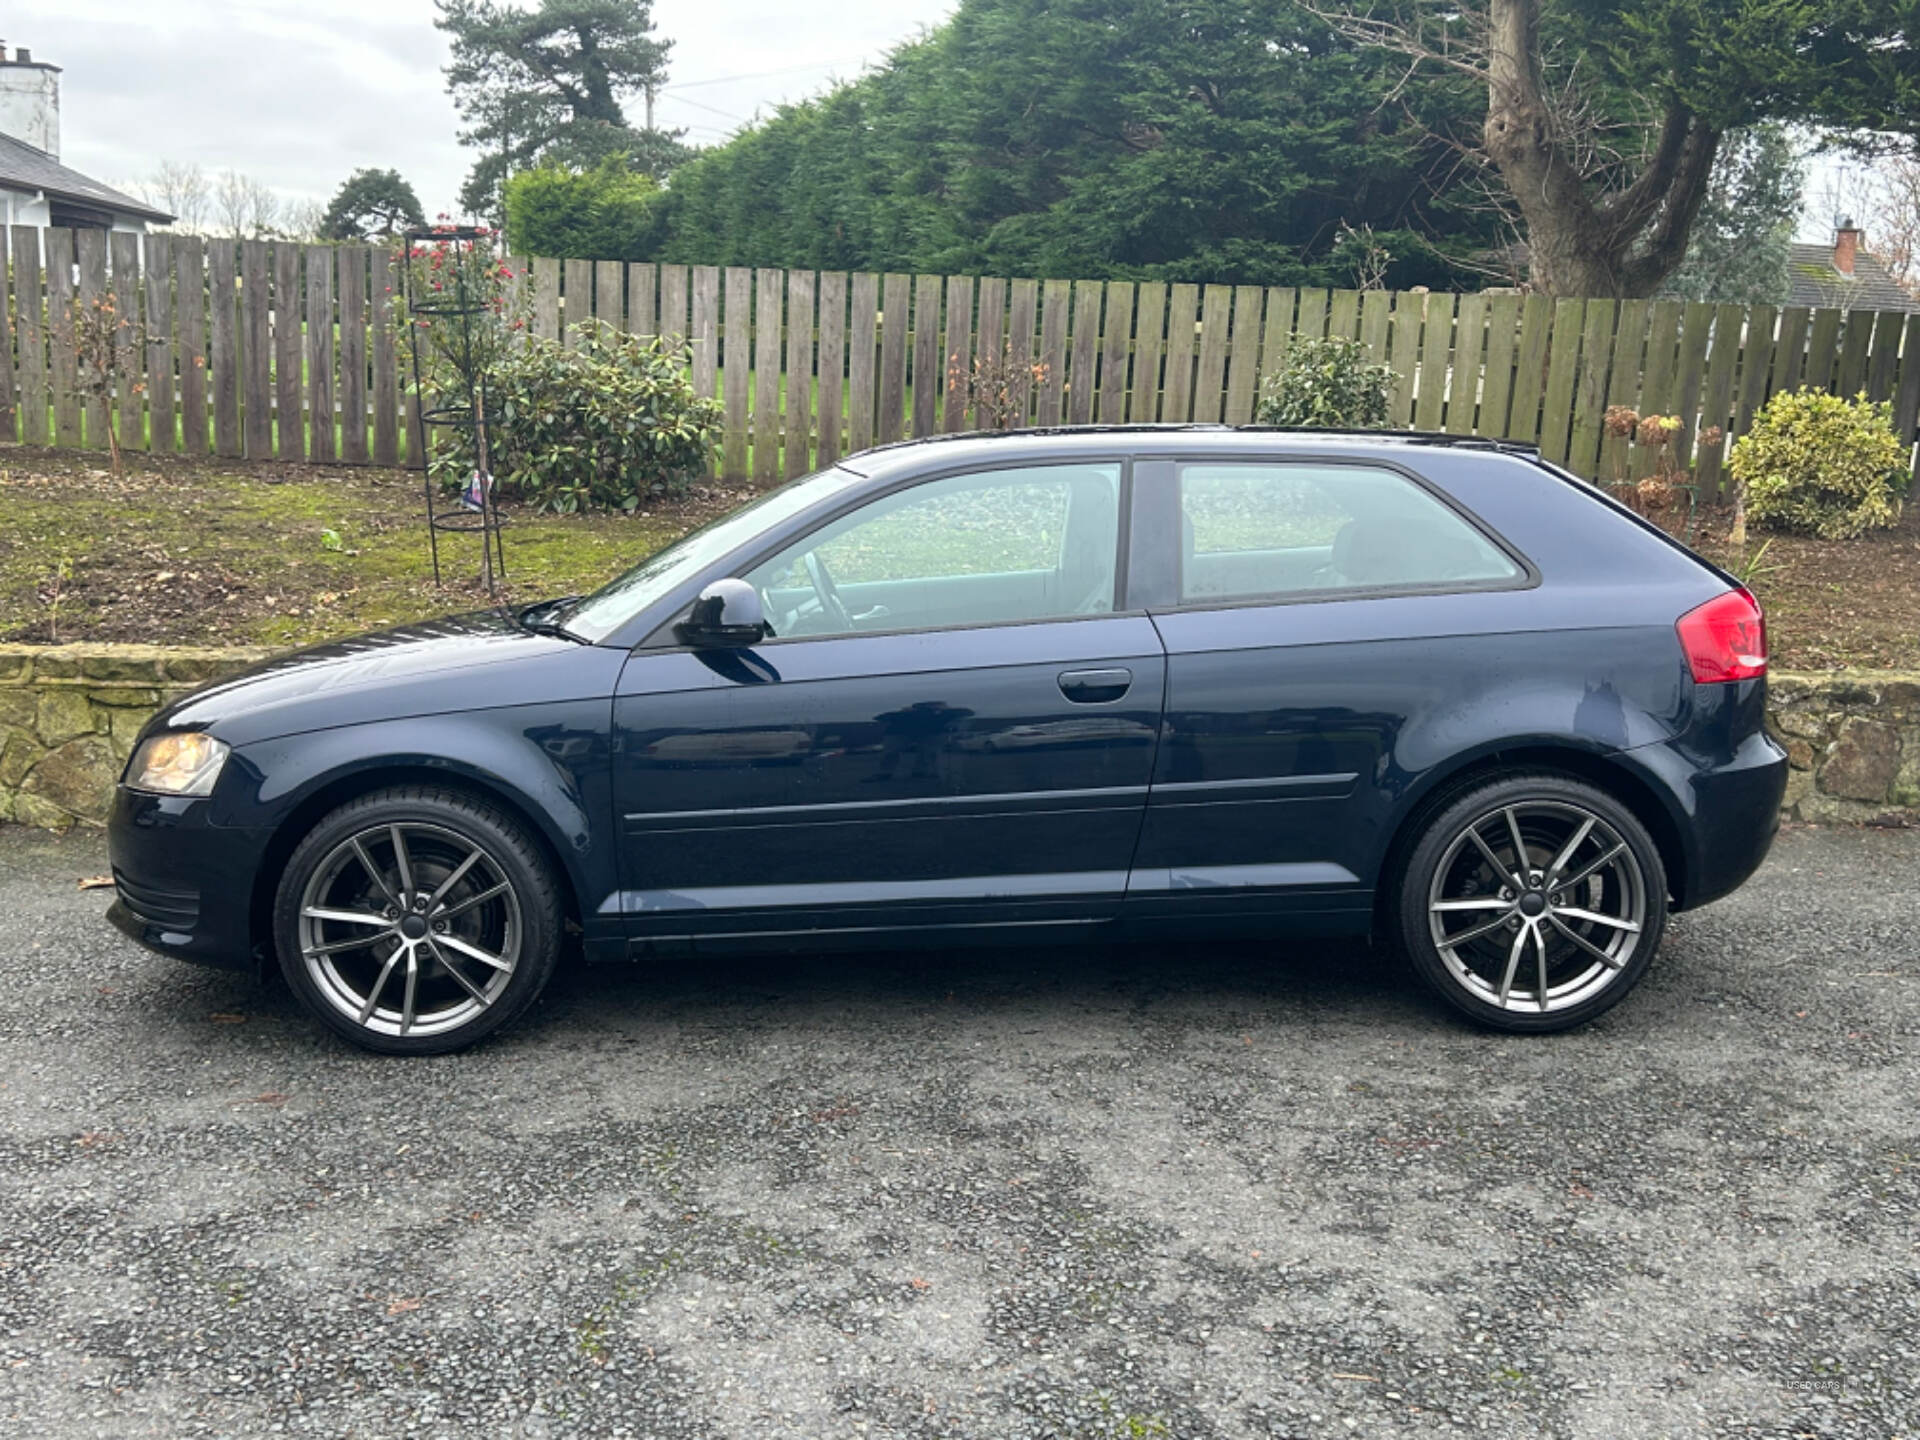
column 68, row 715
column 1853, row 739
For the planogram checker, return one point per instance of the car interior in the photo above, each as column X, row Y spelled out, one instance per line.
column 971, row 550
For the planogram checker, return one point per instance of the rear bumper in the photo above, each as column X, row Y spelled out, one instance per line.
column 1736, row 816
column 184, row 887
column 1723, row 781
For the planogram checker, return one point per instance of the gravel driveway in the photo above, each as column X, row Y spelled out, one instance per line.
column 1055, row 1193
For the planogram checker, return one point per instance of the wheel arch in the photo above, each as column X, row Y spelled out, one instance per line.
column 340, row 788
column 1607, row 772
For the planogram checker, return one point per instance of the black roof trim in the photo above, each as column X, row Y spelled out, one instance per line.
column 1400, row 437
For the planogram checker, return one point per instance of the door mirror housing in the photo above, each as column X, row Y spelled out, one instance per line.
column 727, row 616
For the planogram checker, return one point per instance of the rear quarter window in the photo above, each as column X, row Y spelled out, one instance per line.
column 1275, row 529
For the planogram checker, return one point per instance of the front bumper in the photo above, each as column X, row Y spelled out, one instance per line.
column 184, row 886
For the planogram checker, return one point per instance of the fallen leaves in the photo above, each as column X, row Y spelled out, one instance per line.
column 94, row 882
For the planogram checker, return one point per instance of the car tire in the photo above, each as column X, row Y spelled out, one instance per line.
column 1577, row 924
column 461, row 912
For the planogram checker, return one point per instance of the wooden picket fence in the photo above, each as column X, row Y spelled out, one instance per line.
column 248, row 343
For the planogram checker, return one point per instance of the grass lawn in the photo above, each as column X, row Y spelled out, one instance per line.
column 229, row 552
column 222, row 551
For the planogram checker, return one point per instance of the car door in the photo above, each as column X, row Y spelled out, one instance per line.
column 951, row 726
column 1311, row 610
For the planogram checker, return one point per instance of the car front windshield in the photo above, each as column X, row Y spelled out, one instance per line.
column 619, row 600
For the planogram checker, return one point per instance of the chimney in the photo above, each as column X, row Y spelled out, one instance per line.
column 1846, row 245
column 30, row 101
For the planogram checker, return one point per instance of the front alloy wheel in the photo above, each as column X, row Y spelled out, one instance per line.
column 410, row 929
column 414, row 921
column 1533, row 903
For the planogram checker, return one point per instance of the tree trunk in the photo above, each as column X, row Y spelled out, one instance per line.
column 1623, row 246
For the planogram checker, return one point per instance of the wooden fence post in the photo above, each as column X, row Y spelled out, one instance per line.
column 895, row 319
column 190, row 338
column 1216, row 313
column 123, row 248
column 352, row 260
column 1116, row 341
column 383, row 305
column 1590, row 392
column 1243, row 356
column 30, row 332
column 1176, row 397
column 1149, row 340
column 90, row 247
column 320, row 391
column 289, row 366
column 862, row 340
column 1463, row 382
column 256, row 341
column 956, row 353
column 162, row 430
column 831, row 366
column 926, row 380
column 766, row 374
column 801, row 288
column 738, row 339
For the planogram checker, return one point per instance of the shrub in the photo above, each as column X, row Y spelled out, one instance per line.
column 606, row 213
column 1327, row 385
column 1821, row 465
column 608, row 422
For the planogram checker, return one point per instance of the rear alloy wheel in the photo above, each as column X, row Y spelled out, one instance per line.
column 416, row 921
column 1533, row 903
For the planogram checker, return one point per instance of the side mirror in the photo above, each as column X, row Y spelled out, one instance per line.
column 727, row 616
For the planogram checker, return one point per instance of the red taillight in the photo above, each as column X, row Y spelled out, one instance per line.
column 1725, row 639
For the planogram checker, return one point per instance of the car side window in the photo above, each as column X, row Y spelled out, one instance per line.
column 1252, row 530
column 1036, row 543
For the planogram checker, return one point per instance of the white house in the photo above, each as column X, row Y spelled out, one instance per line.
column 35, row 188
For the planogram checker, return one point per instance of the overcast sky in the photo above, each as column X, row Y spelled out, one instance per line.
column 301, row 96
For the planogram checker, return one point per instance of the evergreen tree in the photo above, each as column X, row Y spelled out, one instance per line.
column 1739, row 252
column 545, row 85
column 371, row 202
column 1207, row 140
column 598, row 214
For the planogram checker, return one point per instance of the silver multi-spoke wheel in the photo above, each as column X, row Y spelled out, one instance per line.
column 1537, row 906
column 410, row 929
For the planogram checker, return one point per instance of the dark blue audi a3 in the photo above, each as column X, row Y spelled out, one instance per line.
column 1076, row 683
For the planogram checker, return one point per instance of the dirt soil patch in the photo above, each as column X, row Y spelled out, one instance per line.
column 1831, row 604
column 183, row 551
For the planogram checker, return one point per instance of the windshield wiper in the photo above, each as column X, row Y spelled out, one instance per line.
column 534, row 618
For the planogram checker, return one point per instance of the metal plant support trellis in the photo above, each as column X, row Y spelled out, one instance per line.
column 462, row 312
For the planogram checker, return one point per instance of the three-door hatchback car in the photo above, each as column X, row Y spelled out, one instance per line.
column 1074, row 683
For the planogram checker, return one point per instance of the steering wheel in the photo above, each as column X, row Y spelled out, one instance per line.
column 828, row 592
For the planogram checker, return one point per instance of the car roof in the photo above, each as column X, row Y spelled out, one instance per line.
column 1056, row 442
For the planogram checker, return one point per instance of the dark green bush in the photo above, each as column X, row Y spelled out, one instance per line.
column 606, row 213
column 603, row 424
column 1327, row 385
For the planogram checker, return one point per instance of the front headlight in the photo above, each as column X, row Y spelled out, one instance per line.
column 185, row 762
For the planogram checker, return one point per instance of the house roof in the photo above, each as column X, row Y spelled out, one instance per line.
column 25, row 167
column 1870, row 287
